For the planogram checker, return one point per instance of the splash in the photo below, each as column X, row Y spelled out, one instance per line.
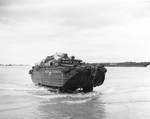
column 71, row 96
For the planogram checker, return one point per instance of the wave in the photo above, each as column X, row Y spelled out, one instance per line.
column 125, row 102
column 14, row 108
column 22, row 89
column 77, row 98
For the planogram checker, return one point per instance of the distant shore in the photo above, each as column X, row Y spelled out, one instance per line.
column 112, row 64
column 14, row 65
column 125, row 64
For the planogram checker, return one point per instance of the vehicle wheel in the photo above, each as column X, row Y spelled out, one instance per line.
column 88, row 88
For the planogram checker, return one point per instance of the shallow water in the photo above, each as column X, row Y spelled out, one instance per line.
column 125, row 94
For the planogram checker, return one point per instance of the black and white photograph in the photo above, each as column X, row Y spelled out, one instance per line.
column 74, row 59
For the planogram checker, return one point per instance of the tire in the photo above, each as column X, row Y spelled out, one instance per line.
column 88, row 88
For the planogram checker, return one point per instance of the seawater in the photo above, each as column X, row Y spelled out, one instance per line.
column 125, row 94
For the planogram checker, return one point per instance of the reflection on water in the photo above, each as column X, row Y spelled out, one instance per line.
column 124, row 95
column 71, row 107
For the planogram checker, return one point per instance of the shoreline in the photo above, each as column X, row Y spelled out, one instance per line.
column 110, row 64
column 125, row 64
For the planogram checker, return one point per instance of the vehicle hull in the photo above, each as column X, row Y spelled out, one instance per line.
column 69, row 79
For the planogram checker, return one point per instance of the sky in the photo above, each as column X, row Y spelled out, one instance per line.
column 91, row 30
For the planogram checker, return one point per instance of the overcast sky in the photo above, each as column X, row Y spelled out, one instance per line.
column 92, row 30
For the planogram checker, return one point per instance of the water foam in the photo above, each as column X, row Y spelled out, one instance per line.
column 72, row 96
